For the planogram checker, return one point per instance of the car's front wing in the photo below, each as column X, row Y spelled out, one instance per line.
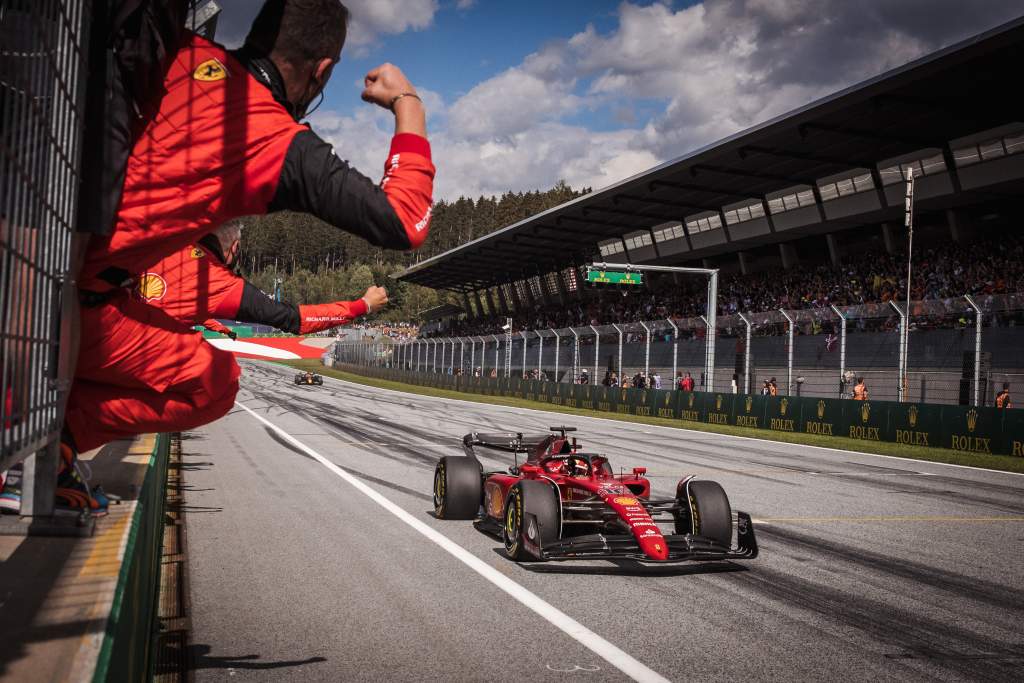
column 681, row 547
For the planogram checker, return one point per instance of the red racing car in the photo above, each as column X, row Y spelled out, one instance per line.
column 562, row 503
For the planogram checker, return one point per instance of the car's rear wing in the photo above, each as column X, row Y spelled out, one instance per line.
column 510, row 442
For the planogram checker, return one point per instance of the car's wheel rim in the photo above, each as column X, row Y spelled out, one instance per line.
column 512, row 525
column 439, row 490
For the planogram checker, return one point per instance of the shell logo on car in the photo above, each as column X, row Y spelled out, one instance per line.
column 624, row 500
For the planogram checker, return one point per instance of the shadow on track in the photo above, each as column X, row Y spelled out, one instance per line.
column 200, row 658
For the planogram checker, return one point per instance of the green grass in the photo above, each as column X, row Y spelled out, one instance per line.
column 1005, row 463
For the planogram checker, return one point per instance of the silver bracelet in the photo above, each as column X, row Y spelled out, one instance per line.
column 405, row 94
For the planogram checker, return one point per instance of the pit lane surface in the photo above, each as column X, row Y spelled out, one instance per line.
column 870, row 568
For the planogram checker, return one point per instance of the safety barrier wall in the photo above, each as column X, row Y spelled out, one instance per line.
column 962, row 428
column 127, row 650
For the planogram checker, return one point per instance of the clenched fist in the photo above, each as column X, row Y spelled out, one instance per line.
column 376, row 298
column 384, row 84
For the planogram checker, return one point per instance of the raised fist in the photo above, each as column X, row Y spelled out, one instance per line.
column 376, row 298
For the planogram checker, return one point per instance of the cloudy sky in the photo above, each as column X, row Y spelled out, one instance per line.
column 523, row 94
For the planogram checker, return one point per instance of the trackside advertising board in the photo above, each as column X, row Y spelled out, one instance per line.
column 961, row 428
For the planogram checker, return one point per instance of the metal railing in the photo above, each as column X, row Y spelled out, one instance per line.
column 958, row 351
column 42, row 86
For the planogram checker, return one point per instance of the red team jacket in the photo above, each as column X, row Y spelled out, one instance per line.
column 224, row 144
column 194, row 286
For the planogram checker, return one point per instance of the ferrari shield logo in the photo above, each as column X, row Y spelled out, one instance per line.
column 209, row 71
column 196, row 252
column 865, row 412
column 821, row 409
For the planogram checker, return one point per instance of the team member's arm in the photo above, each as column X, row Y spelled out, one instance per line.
column 257, row 307
column 214, row 326
column 394, row 214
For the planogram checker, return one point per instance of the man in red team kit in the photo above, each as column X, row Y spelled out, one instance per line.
column 225, row 142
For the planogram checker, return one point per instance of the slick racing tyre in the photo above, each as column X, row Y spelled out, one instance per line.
column 318, row 380
column 706, row 512
column 529, row 505
column 458, row 488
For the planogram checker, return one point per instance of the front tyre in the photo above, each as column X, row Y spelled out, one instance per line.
column 458, row 488
column 532, row 517
column 709, row 513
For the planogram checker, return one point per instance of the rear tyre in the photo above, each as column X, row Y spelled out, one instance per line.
column 706, row 512
column 458, row 488
column 527, row 498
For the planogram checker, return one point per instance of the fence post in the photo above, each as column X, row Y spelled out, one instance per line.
column 619, row 330
column 462, row 355
column 712, row 323
column 647, row 349
column 497, row 348
column 746, row 354
column 901, row 385
column 842, row 349
column 558, row 348
column 675, row 350
column 472, row 356
column 597, row 346
column 977, row 349
column 540, row 356
column 451, row 361
column 523, row 335
column 435, row 356
column 789, row 359
column 575, row 355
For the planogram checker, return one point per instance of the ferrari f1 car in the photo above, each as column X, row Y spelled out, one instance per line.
column 308, row 378
column 562, row 503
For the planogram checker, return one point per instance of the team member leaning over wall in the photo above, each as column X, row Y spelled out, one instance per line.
column 226, row 142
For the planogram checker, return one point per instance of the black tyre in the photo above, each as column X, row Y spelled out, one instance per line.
column 458, row 488
column 706, row 512
column 530, row 498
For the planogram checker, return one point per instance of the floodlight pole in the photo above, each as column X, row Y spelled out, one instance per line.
column 451, row 361
column 540, row 356
column 597, row 346
column 909, row 209
column 746, row 354
column 472, row 356
column 462, row 355
column 789, row 356
column 575, row 355
column 842, row 348
column 977, row 348
column 508, row 347
column 675, row 349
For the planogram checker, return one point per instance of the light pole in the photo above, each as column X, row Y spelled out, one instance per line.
column 909, row 211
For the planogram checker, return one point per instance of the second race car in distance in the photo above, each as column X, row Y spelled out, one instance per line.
column 308, row 378
column 562, row 503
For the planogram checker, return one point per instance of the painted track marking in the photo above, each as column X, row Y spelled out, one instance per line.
column 622, row 661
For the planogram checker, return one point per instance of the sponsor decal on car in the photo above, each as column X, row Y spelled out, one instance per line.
column 625, row 500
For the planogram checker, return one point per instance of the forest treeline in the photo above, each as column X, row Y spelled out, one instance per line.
column 317, row 262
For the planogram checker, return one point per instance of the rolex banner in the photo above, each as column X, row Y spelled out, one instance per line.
column 963, row 428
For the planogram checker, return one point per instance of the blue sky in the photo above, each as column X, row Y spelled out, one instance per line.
column 523, row 94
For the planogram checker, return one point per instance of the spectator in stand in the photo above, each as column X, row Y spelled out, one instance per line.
column 766, row 390
column 1003, row 397
column 584, row 377
column 655, row 380
column 773, row 387
column 860, row 390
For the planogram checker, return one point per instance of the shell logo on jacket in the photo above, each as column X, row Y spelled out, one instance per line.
column 151, row 287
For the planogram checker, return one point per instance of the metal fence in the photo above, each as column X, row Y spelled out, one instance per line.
column 960, row 351
column 42, row 86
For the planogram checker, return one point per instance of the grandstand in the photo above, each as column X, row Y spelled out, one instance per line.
column 801, row 212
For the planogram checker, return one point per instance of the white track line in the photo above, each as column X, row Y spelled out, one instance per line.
column 677, row 429
column 575, row 630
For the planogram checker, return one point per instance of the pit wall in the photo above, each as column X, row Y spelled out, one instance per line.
column 961, row 428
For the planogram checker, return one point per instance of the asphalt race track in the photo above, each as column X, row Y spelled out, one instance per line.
column 871, row 568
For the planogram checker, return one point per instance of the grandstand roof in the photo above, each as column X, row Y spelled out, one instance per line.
column 924, row 105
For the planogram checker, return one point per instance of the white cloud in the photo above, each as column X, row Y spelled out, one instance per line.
column 465, row 4
column 372, row 18
column 705, row 71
